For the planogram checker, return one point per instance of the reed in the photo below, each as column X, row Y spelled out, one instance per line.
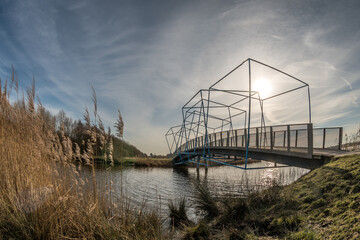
column 44, row 194
column 177, row 214
column 206, row 202
column 352, row 140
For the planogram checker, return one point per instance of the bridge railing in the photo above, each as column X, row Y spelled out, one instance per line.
column 328, row 138
column 295, row 138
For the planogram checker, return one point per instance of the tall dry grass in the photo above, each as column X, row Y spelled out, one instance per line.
column 43, row 193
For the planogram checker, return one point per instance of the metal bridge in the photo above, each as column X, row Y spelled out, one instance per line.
column 218, row 123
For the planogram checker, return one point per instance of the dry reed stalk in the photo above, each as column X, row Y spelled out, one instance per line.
column 42, row 193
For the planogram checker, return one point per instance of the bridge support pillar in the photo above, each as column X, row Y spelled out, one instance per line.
column 310, row 139
column 198, row 163
column 340, row 138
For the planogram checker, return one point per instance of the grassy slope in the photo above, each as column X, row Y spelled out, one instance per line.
column 147, row 162
column 153, row 162
column 124, row 149
column 323, row 204
column 329, row 198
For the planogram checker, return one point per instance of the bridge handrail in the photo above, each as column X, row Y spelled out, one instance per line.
column 291, row 137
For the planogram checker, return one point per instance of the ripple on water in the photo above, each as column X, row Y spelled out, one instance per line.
column 155, row 187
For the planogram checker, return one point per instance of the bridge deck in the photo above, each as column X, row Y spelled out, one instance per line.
column 278, row 155
column 329, row 153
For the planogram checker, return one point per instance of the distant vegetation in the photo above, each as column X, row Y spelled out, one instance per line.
column 352, row 140
column 77, row 132
column 123, row 149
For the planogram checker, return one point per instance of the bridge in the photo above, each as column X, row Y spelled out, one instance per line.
column 218, row 123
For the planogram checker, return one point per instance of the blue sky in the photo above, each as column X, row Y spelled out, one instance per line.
column 147, row 58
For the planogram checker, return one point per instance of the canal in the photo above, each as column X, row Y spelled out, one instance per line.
column 154, row 188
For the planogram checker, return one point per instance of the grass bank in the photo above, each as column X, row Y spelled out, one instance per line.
column 153, row 162
column 167, row 163
column 324, row 204
column 146, row 162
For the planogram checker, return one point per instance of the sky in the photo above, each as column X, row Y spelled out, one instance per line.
column 147, row 58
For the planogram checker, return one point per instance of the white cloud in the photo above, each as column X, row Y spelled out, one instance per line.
column 148, row 63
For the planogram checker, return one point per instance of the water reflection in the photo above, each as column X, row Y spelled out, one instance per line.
column 155, row 187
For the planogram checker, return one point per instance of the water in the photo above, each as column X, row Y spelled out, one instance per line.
column 153, row 188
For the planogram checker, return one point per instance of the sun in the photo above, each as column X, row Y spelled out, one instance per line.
column 263, row 87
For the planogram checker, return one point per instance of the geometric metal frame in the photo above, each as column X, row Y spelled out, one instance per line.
column 196, row 117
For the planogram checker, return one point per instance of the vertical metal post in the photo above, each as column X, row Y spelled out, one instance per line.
column 215, row 139
column 271, row 138
column 310, row 139
column 206, row 124
column 284, row 138
column 236, row 138
column 221, row 139
column 244, row 139
column 340, row 137
column 274, row 139
column 309, row 103
column 324, row 136
column 288, row 138
column 198, row 162
column 257, row 138
column 227, row 139
column 248, row 139
column 296, row 138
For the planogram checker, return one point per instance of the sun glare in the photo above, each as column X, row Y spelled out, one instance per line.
column 263, row 87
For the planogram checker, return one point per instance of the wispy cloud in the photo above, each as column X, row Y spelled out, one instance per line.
column 149, row 58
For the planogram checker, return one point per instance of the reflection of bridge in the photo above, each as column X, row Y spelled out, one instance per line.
column 216, row 127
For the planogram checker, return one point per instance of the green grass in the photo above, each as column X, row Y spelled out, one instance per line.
column 330, row 198
column 153, row 162
column 145, row 162
column 122, row 149
column 324, row 204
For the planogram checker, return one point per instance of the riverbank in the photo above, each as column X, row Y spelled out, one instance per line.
column 323, row 204
column 147, row 162
column 167, row 163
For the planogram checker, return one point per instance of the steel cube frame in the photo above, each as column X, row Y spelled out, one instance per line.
column 194, row 133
